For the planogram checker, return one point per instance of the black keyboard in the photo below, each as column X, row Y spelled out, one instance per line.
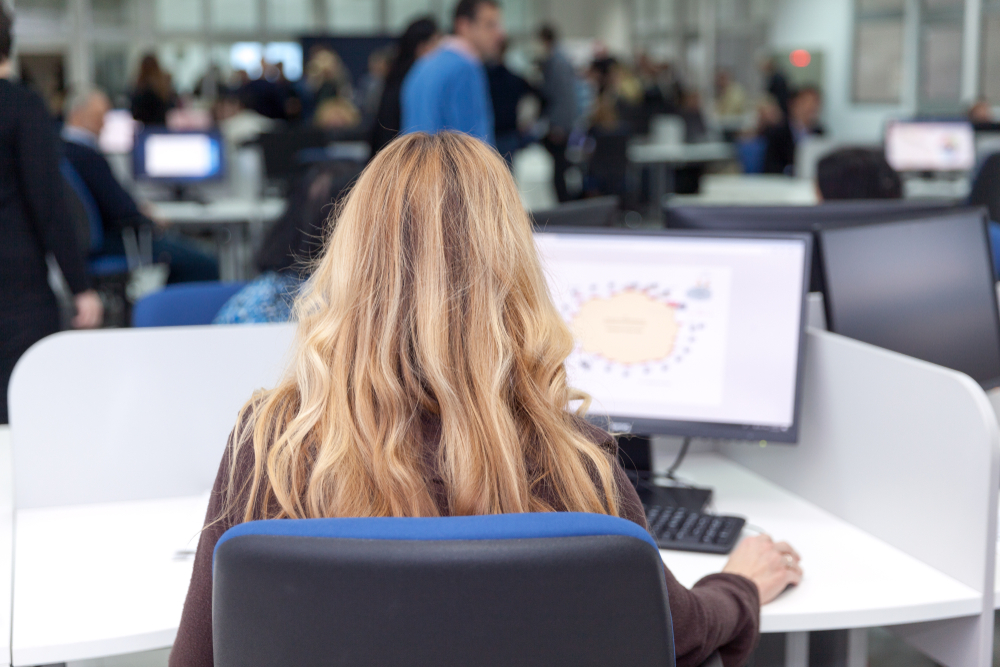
column 685, row 530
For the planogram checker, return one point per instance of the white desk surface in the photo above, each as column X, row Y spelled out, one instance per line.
column 100, row 580
column 221, row 211
column 852, row 580
column 658, row 153
column 104, row 579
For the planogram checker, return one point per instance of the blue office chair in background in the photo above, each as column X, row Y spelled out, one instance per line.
column 183, row 305
column 97, row 264
column 751, row 153
column 501, row 590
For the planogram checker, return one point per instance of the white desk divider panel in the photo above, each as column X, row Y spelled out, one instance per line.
column 117, row 437
column 908, row 452
column 6, row 543
column 133, row 414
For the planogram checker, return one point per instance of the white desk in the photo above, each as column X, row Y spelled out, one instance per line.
column 230, row 220
column 666, row 157
column 101, row 580
column 105, row 579
column 852, row 580
column 751, row 189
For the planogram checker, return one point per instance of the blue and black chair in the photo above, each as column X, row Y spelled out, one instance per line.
column 501, row 590
column 186, row 304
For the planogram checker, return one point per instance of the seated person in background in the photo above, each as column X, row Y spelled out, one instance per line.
column 291, row 246
column 981, row 114
column 857, row 173
column 84, row 121
column 802, row 120
column 430, row 381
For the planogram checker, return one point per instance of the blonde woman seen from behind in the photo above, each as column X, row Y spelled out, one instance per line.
column 428, row 380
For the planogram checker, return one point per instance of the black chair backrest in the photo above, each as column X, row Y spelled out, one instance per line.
column 595, row 212
column 986, row 188
column 583, row 601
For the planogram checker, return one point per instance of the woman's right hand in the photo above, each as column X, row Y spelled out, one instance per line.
column 772, row 566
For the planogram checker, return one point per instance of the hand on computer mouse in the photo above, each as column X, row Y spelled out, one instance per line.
column 773, row 566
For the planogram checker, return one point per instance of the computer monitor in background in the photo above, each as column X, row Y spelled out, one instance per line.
column 595, row 212
column 922, row 287
column 682, row 333
column 178, row 159
column 801, row 219
column 930, row 146
column 280, row 150
column 118, row 134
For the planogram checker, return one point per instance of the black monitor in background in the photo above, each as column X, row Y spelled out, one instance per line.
column 596, row 212
column 801, row 219
column 281, row 148
column 922, row 287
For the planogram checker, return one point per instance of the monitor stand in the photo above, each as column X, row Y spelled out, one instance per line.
column 180, row 192
column 636, row 456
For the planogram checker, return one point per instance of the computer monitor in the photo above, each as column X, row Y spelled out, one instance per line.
column 922, row 287
column 933, row 146
column 801, row 219
column 118, row 133
column 178, row 157
column 683, row 333
column 595, row 212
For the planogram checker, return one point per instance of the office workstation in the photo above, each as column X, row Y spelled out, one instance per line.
column 447, row 333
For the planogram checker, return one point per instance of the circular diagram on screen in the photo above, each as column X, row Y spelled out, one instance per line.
column 628, row 327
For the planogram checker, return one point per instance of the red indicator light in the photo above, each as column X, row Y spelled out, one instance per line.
column 800, row 58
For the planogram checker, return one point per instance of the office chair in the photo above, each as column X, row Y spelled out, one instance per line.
column 512, row 589
column 186, row 304
column 986, row 187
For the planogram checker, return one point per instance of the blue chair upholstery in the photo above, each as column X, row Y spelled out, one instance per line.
column 516, row 589
column 97, row 264
column 184, row 305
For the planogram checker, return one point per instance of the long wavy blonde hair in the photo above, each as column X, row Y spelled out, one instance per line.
column 428, row 306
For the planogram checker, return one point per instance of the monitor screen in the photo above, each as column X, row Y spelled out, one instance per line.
column 682, row 333
column 118, row 133
column 924, row 288
column 178, row 156
column 930, row 146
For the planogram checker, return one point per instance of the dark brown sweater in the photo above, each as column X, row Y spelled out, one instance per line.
column 721, row 612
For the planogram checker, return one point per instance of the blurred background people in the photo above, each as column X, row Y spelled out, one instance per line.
column 34, row 221
column 507, row 89
column 84, row 121
column 419, row 39
column 153, row 95
column 776, row 84
column 447, row 89
column 730, row 96
column 559, row 98
column 802, row 120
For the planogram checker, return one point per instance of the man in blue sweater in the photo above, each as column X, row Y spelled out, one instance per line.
column 447, row 89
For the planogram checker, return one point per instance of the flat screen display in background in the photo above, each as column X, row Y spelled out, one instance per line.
column 930, row 146
column 118, row 135
column 187, row 156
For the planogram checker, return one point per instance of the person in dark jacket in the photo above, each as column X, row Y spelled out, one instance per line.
column 419, row 38
column 153, row 94
column 84, row 120
column 559, row 95
column 34, row 222
column 506, row 90
column 801, row 121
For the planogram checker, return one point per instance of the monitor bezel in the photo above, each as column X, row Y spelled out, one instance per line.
column 960, row 211
column 139, row 153
column 625, row 424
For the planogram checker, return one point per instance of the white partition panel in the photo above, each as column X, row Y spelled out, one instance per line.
column 908, row 452
column 134, row 414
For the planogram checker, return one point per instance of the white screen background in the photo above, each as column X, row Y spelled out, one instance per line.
column 736, row 307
